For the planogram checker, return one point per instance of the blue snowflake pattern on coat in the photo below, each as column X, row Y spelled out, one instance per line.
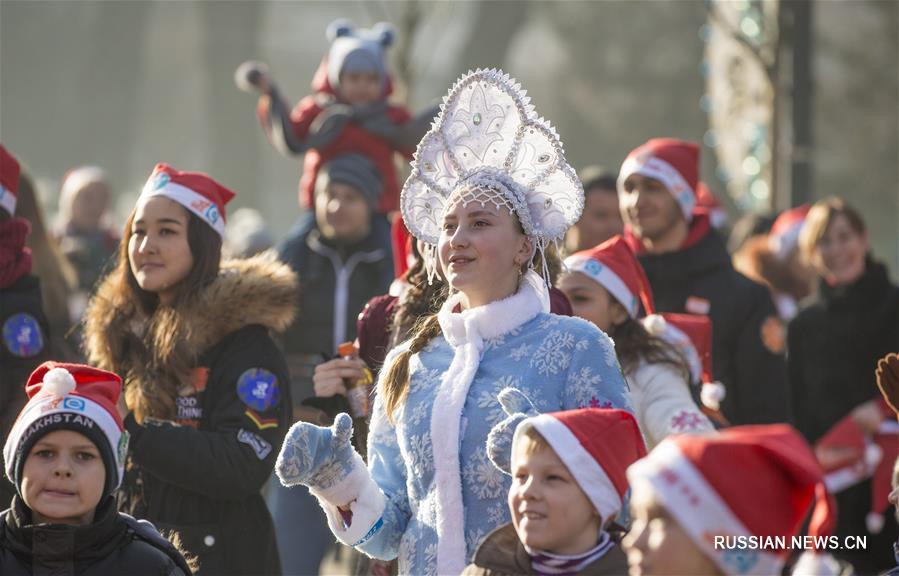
column 559, row 362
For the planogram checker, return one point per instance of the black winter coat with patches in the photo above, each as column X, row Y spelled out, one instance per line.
column 200, row 472
column 24, row 342
column 833, row 346
column 740, row 310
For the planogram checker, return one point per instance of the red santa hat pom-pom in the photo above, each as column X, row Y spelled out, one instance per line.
column 711, row 394
column 58, row 382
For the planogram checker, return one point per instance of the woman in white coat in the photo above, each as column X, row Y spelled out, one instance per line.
column 606, row 285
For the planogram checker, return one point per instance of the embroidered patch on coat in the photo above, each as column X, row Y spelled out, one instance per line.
column 198, row 377
column 259, row 421
column 22, row 335
column 697, row 305
column 190, row 411
column 259, row 445
column 772, row 333
column 258, row 388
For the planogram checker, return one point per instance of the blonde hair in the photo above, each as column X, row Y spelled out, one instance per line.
column 394, row 384
column 819, row 218
column 533, row 440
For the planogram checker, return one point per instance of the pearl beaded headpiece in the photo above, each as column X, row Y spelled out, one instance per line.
column 487, row 144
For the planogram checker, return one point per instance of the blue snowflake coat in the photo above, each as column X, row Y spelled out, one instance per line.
column 558, row 362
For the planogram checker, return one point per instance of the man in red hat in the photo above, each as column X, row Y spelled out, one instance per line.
column 23, row 326
column 690, row 271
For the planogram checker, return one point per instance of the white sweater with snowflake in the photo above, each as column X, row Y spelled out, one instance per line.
column 663, row 405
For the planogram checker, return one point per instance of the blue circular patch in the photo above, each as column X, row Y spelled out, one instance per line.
column 258, row 388
column 22, row 335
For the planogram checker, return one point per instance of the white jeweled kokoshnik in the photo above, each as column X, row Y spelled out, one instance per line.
column 487, row 144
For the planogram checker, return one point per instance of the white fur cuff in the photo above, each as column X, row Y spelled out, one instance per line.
column 368, row 509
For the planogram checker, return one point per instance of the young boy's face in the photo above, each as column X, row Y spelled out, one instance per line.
column 656, row 543
column 357, row 88
column 549, row 510
column 63, row 478
column 342, row 213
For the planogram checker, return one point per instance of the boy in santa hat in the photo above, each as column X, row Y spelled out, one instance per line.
column 23, row 325
column 694, row 512
column 65, row 455
column 568, row 483
column 690, row 271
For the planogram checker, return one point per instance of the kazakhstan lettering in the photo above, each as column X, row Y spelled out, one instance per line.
column 66, row 417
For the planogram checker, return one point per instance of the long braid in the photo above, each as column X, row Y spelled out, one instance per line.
column 395, row 383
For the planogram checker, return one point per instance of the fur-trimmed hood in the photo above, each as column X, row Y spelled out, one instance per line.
column 158, row 351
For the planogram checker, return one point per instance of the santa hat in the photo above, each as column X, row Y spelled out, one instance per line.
column 784, row 234
column 9, row 180
column 194, row 190
column 696, row 479
column 70, row 397
column 708, row 203
column 596, row 445
column 674, row 163
column 691, row 335
column 401, row 241
column 357, row 49
column 615, row 267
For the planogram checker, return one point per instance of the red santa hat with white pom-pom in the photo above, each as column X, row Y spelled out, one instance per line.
column 9, row 180
column 674, row 163
column 596, row 445
column 615, row 267
column 70, row 397
column 784, row 235
column 196, row 191
column 694, row 479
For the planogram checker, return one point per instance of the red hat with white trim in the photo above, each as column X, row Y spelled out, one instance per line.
column 70, row 397
column 784, row 234
column 707, row 202
column 596, row 445
column 9, row 180
column 674, row 163
column 694, row 478
column 194, row 190
column 614, row 265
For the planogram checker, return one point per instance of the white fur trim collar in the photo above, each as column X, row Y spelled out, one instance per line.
column 466, row 332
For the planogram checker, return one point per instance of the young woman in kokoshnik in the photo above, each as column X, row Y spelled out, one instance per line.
column 205, row 387
column 489, row 189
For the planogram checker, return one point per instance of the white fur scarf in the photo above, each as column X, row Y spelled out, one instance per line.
column 466, row 331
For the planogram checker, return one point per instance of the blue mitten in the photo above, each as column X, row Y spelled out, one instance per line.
column 499, row 441
column 317, row 457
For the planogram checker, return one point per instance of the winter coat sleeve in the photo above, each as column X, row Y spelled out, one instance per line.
column 663, row 404
column 388, row 471
column 757, row 377
column 309, row 125
column 594, row 376
column 235, row 456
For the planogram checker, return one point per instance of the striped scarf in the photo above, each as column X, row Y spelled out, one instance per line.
column 546, row 564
